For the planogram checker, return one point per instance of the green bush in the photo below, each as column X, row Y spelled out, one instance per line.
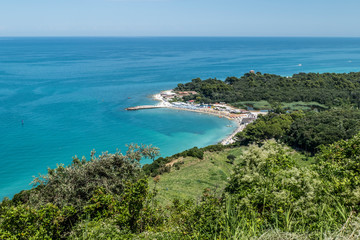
column 231, row 158
column 157, row 167
column 75, row 184
column 339, row 165
column 267, row 181
column 214, row 148
column 99, row 229
column 47, row 222
column 195, row 152
column 110, row 186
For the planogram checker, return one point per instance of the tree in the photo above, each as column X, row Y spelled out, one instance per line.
column 75, row 184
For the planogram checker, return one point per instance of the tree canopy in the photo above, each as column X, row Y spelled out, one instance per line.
column 330, row 89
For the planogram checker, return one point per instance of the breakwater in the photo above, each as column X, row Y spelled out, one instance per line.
column 143, row 107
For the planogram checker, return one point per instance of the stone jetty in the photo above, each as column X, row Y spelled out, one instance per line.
column 143, row 107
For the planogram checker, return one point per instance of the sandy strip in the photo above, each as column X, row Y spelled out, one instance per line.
column 227, row 140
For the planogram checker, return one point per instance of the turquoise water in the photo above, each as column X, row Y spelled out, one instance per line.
column 71, row 92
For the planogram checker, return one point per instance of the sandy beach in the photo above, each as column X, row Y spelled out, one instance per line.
column 236, row 120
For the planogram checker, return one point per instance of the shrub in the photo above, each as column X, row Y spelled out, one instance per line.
column 156, row 167
column 214, row 148
column 231, row 158
column 99, row 229
column 267, row 181
column 339, row 166
column 108, row 186
column 75, row 184
column 47, row 222
column 195, row 152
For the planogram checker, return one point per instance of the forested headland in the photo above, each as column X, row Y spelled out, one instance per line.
column 330, row 89
column 291, row 174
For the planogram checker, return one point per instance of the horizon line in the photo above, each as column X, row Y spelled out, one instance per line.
column 164, row 36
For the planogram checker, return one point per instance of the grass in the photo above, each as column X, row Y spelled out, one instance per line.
column 303, row 105
column 257, row 105
column 302, row 160
column 196, row 175
column 265, row 105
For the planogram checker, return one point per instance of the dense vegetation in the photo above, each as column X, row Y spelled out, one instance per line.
column 306, row 131
column 268, row 194
column 68, row 198
column 331, row 89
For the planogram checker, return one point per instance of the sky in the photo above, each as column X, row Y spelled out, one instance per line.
column 320, row 18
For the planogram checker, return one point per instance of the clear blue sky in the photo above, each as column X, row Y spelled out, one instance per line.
column 180, row 18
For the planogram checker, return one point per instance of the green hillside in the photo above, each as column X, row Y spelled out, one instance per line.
column 195, row 175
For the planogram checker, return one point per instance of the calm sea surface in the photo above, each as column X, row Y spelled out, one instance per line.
column 71, row 92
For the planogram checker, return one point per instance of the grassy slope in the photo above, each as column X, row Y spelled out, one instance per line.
column 265, row 105
column 196, row 175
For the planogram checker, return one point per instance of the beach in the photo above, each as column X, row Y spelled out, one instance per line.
column 235, row 118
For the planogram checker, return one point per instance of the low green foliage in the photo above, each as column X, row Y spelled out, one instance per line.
column 304, row 106
column 256, row 105
column 195, row 175
column 110, row 171
column 231, row 158
column 268, row 181
column 157, row 167
column 161, row 165
column 47, row 222
column 105, row 228
column 108, row 186
column 291, row 106
column 339, row 164
column 269, row 195
column 267, row 191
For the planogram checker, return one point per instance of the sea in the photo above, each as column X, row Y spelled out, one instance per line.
column 65, row 96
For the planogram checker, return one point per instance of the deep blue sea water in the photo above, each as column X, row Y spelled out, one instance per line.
column 71, row 92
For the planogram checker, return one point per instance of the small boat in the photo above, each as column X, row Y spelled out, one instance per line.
column 129, row 97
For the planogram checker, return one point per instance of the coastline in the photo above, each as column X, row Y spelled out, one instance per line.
column 166, row 104
column 229, row 139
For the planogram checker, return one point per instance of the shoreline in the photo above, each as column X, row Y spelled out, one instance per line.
column 229, row 139
column 166, row 104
